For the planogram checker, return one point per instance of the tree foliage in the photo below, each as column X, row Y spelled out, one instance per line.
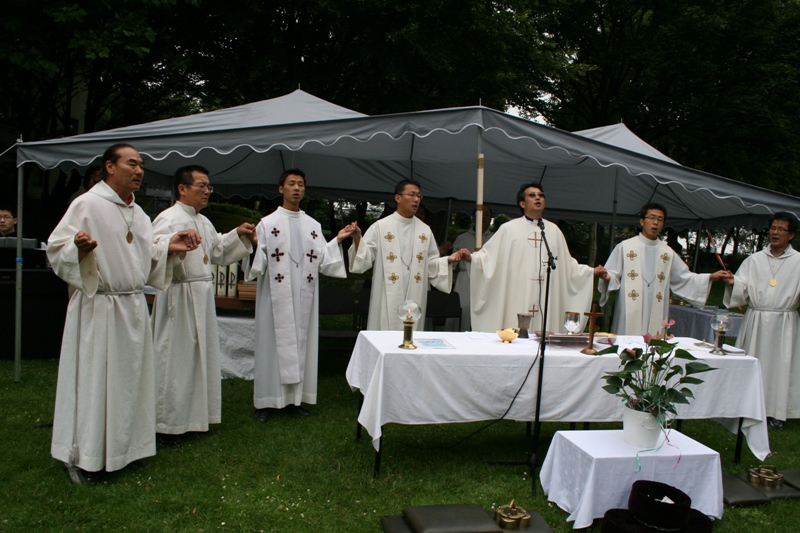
column 712, row 83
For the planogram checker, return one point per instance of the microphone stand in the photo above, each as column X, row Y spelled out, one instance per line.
column 537, row 425
column 532, row 457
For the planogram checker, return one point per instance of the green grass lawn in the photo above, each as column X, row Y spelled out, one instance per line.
column 300, row 473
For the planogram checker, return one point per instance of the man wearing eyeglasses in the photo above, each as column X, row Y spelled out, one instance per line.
column 645, row 271
column 508, row 274
column 8, row 222
column 402, row 250
column 768, row 283
column 184, row 316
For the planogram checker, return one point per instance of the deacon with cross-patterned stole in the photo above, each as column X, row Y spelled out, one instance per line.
column 292, row 254
column 645, row 270
column 508, row 275
column 404, row 254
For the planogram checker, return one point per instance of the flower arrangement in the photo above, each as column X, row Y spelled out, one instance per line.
column 651, row 380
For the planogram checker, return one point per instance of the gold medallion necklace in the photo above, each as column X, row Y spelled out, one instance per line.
column 129, row 234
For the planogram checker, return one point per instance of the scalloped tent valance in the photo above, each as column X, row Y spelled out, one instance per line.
column 603, row 175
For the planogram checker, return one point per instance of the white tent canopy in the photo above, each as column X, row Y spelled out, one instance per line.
column 358, row 157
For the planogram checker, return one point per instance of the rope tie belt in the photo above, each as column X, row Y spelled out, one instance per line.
column 192, row 280
column 121, row 293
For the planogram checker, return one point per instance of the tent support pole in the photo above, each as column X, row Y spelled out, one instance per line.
column 447, row 220
column 696, row 250
column 479, row 197
column 612, row 234
column 18, row 309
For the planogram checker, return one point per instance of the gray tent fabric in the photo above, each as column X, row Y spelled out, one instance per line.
column 357, row 157
column 620, row 136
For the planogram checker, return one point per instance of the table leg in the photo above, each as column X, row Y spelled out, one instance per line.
column 377, row 469
column 737, row 455
column 358, row 426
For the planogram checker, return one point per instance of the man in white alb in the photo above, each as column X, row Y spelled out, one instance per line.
column 508, row 274
column 104, row 247
column 404, row 254
column 186, row 340
column 645, row 270
column 768, row 283
column 291, row 255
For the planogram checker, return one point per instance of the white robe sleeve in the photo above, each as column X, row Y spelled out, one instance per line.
column 692, row 287
column 162, row 263
column 259, row 265
column 333, row 260
column 64, row 255
column 230, row 248
column 440, row 272
column 614, row 269
column 363, row 260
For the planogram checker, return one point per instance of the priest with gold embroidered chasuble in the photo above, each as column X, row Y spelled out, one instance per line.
column 645, row 270
column 402, row 250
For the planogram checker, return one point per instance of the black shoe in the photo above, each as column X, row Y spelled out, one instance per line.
column 774, row 423
column 262, row 415
column 297, row 410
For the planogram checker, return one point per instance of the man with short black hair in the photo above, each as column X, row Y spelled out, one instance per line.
column 291, row 255
column 645, row 270
column 8, row 221
column 768, row 283
column 508, row 274
column 185, row 317
column 104, row 247
column 404, row 254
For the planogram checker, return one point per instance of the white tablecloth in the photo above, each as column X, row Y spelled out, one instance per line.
column 237, row 337
column 696, row 323
column 477, row 379
column 587, row 473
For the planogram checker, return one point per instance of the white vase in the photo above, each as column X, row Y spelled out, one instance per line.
column 640, row 429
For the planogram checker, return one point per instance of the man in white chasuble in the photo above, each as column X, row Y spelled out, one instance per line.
column 508, row 274
column 402, row 250
column 291, row 255
column 645, row 270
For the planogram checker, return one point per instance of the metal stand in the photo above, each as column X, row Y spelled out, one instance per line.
column 533, row 458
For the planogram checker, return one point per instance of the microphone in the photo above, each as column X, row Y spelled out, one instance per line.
column 541, row 224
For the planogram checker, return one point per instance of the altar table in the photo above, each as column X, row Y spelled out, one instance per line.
column 477, row 378
column 587, row 473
